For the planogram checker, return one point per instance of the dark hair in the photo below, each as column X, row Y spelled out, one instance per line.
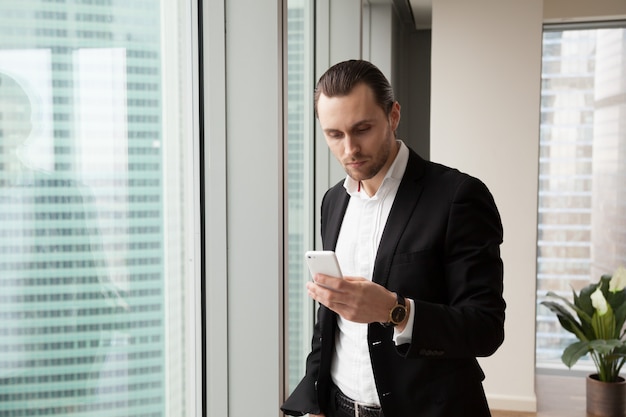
column 14, row 97
column 341, row 78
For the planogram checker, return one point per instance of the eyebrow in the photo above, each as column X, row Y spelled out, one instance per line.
column 354, row 126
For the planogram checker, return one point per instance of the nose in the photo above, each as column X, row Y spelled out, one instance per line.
column 351, row 146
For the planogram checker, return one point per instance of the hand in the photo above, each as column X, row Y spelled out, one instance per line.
column 316, row 415
column 353, row 298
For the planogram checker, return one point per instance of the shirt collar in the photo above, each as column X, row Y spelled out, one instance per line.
column 395, row 172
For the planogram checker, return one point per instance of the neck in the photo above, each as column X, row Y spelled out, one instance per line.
column 372, row 185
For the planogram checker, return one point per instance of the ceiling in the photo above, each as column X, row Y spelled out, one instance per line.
column 422, row 11
column 417, row 13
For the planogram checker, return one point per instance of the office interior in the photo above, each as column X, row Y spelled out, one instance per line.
column 468, row 75
column 478, row 109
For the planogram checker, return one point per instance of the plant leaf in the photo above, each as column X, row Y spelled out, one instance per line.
column 606, row 347
column 620, row 350
column 582, row 314
column 617, row 300
column 583, row 329
column 583, row 300
column 604, row 324
column 620, row 316
column 567, row 319
column 585, row 307
column 573, row 352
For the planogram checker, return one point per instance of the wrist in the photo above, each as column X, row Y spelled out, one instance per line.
column 397, row 313
column 402, row 325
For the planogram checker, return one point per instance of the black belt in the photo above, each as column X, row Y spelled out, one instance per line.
column 353, row 408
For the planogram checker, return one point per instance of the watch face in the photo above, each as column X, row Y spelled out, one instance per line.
column 398, row 314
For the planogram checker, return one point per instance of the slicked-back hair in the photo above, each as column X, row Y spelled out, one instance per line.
column 340, row 79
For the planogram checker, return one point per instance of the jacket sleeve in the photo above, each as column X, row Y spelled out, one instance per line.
column 303, row 399
column 470, row 323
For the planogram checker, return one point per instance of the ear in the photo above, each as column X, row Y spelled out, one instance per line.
column 394, row 116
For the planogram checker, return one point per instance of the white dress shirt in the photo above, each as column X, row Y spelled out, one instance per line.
column 356, row 249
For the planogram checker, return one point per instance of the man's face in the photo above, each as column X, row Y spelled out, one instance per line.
column 359, row 133
column 15, row 114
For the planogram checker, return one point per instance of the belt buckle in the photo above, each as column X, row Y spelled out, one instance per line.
column 358, row 409
column 364, row 410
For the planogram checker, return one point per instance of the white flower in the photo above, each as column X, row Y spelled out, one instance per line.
column 618, row 282
column 599, row 302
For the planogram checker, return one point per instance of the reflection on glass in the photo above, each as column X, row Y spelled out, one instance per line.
column 91, row 315
column 299, row 184
column 582, row 212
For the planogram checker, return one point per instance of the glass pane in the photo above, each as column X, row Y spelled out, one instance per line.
column 299, row 184
column 582, row 212
column 93, row 143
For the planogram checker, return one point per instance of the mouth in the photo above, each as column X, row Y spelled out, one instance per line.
column 355, row 164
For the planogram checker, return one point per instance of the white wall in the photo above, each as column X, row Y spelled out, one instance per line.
column 485, row 97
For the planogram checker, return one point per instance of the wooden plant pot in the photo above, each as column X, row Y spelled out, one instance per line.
column 606, row 399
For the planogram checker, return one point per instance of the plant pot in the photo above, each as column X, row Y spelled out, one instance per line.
column 606, row 399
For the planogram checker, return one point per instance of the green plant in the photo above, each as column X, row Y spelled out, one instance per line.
column 600, row 310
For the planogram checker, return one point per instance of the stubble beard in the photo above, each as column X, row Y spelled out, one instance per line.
column 378, row 162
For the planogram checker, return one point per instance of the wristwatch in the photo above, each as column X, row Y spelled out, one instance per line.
column 397, row 313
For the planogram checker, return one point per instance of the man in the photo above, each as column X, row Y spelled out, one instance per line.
column 418, row 244
column 47, row 218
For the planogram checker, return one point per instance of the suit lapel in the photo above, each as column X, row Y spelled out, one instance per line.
column 403, row 207
column 333, row 218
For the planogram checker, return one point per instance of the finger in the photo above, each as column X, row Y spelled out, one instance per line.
column 335, row 300
column 326, row 281
column 354, row 279
column 316, row 291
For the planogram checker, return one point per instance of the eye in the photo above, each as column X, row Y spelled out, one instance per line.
column 362, row 129
column 334, row 134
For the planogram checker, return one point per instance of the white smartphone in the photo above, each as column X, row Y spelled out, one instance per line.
column 323, row 262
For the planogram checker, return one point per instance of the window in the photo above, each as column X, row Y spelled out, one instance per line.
column 582, row 210
column 299, row 185
column 96, row 208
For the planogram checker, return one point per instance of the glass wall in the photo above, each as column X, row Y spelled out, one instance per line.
column 95, row 145
column 299, row 184
column 582, row 175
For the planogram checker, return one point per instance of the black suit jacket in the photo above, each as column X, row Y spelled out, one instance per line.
column 441, row 248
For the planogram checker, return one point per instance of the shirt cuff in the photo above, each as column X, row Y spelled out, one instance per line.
column 405, row 336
